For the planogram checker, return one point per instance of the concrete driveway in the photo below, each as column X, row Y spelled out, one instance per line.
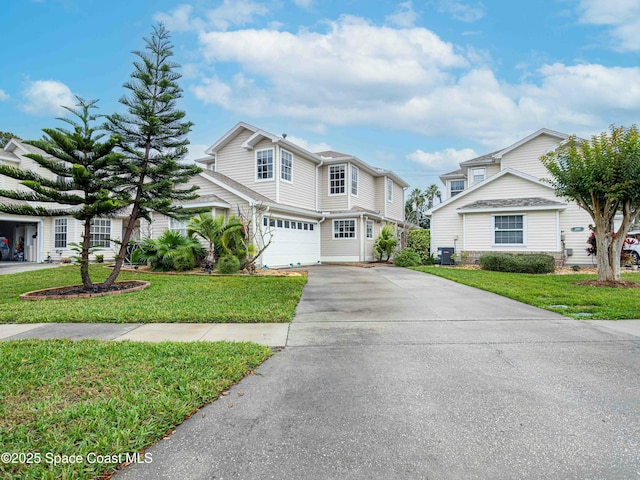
column 390, row 373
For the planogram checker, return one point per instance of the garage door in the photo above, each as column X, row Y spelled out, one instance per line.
column 295, row 242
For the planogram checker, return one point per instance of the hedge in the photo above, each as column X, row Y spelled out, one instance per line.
column 406, row 258
column 517, row 263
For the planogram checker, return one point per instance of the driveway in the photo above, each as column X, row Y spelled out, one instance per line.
column 390, row 373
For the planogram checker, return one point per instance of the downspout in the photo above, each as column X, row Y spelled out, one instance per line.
column 276, row 172
column 348, row 175
column 320, row 242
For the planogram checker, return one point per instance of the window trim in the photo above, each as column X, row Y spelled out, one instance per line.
column 494, row 230
column 369, row 230
column 56, row 233
column 336, row 232
column 473, row 174
column 282, row 166
column 174, row 223
column 354, row 170
column 389, row 190
column 344, row 179
column 266, row 179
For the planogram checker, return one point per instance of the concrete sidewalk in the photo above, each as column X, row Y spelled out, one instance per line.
column 270, row 334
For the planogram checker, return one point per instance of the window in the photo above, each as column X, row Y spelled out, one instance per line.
column 179, row 226
column 336, row 179
column 508, row 229
column 101, row 232
column 389, row 190
column 264, row 164
column 369, row 229
column 478, row 174
column 344, row 229
column 457, row 186
column 60, row 230
column 354, row 180
column 286, row 165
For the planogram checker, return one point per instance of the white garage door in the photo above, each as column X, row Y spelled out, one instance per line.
column 295, row 242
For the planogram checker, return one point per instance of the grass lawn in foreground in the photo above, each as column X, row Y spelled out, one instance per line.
column 170, row 298
column 557, row 293
column 104, row 400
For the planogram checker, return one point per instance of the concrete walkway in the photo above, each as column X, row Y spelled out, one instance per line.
column 390, row 373
column 270, row 334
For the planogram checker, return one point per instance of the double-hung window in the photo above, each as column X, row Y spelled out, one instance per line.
column 457, row 186
column 354, row 180
column 369, row 230
column 337, row 174
column 478, row 175
column 508, row 229
column 344, row 229
column 264, row 164
column 60, row 232
column 389, row 190
column 286, row 165
column 101, row 232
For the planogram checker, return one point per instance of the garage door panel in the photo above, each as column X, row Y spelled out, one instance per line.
column 293, row 246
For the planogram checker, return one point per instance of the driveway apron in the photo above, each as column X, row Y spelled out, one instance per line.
column 390, row 373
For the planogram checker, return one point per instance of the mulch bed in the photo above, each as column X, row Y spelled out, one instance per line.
column 78, row 291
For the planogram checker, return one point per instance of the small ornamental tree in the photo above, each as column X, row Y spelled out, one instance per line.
column 602, row 175
column 83, row 185
column 386, row 243
column 153, row 139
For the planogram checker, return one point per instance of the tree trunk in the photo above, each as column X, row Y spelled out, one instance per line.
column 84, row 257
column 122, row 253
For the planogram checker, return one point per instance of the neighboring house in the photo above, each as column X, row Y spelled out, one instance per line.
column 39, row 238
column 499, row 203
column 319, row 207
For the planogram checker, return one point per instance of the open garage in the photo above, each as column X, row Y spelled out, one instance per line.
column 22, row 236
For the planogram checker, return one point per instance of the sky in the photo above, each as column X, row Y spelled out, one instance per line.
column 411, row 86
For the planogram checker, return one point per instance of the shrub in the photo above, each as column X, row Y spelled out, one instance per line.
column 170, row 251
column 386, row 242
column 517, row 263
column 420, row 242
column 407, row 258
column 228, row 264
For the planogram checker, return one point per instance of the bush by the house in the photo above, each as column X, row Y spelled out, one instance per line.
column 517, row 263
column 406, row 258
column 386, row 243
column 172, row 251
column 228, row 264
column 420, row 242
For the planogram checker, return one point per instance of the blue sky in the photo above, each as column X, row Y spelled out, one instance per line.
column 414, row 86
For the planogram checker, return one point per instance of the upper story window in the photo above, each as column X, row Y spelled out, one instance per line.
column 286, row 165
column 337, row 179
column 479, row 174
column 101, row 232
column 264, row 164
column 457, row 186
column 354, row 180
column 389, row 190
column 508, row 230
column 60, row 231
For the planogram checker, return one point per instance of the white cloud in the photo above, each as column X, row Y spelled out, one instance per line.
column 312, row 147
column 622, row 16
column 405, row 17
column 46, row 97
column 462, row 11
column 443, row 161
column 3, row 95
column 235, row 12
column 179, row 20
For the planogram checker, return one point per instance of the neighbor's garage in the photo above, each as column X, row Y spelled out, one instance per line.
column 23, row 238
column 295, row 242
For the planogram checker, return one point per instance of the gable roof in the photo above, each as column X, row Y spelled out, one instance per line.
column 506, row 204
column 234, row 187
column 487, row 181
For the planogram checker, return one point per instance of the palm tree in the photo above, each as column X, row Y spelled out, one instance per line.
column 210, row 229
column 414, row 205
column 431, row 193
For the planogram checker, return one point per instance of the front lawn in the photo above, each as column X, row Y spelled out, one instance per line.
column 100, row 403
column 557, row 293
column 170, row 298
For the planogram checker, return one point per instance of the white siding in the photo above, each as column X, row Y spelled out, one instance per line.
column 331, row 202
column 526, row 158
column 572, row 217
column 301, row 191
column 366, row 191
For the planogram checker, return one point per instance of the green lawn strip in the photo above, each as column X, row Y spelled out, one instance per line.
column 558, row 293
column 61, row 397
column 170, row 298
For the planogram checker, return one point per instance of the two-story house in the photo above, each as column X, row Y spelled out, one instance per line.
column 36, row 239
column 316, row 207
column 499, row 202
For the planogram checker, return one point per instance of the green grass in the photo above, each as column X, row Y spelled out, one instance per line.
column 557, row 293
column 60, row 397
column 170, row 298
